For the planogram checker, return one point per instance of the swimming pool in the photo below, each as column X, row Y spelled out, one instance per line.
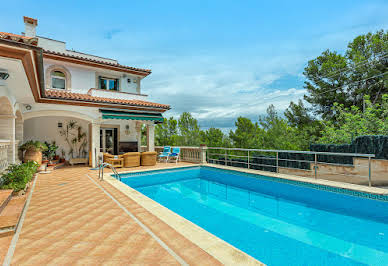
column 278, row 222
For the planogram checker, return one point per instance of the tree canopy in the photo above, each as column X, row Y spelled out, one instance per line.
column 346, row 79
column 347, row 96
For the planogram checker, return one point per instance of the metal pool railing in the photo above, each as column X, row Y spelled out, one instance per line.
column 293, row 161
column 101, row 171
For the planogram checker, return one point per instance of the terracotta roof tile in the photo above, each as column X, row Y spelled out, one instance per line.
column 146, row 71
column 18, row 38
column 66, row 95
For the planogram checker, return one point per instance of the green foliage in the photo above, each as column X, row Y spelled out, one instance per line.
column 246, row 135
column 33, row 145
column 18, row 175
column 334, row 78
column 76, row 139
column 189, row 132
column 307, row 126
column 214, row 137
column 277, row 134
column 337, row 111
column 353, row 122
column 51, row 150
column 166, row 132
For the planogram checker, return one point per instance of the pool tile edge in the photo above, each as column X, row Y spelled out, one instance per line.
column 216, row 247
column 335, row 184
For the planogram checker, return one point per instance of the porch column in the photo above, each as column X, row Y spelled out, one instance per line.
column 138, row 135
column 7, row 132
column 94, row 132
column 151, row 137
column 19, row 132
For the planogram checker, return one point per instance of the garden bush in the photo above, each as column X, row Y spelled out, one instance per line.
column 18, row 175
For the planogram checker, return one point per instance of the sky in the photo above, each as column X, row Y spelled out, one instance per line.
column 217, row 59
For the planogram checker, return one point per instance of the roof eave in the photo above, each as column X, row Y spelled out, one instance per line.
column 93, row 63
column 83, row 102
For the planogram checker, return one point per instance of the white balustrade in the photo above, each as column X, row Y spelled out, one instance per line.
column 4, row 145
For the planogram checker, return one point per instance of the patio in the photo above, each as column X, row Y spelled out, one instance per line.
column 70, row 220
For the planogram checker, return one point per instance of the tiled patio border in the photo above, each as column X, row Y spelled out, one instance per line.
column 12, row 246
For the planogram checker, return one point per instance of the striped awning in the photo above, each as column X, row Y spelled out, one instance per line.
column 108, row 114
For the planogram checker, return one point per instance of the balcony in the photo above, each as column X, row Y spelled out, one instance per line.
column 117, row 94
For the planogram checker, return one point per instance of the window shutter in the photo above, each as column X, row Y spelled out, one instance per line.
column 99, row 83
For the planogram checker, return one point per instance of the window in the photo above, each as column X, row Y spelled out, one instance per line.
column 109, row 84
column 58, row 80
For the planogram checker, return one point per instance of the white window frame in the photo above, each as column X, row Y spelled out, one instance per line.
column 57, row 77
column 109, row 79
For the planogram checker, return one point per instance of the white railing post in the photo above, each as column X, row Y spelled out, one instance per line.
column 370, row 171
column 277, row 162
column 315, row 165
column 202, row 154
column 248, row 161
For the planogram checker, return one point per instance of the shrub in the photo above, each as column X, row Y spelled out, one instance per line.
column 33, row 145
column 51, row 150
column 18, row 175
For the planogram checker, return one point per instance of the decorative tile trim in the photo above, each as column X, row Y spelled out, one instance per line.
column 156, row 171
column 332, row 189
column 339, row 190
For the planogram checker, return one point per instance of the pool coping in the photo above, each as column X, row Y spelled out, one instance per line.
column 221, row 250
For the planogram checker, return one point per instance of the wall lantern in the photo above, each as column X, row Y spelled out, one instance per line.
column 127, row 130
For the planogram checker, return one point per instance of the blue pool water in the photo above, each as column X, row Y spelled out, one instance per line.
column 275, row 222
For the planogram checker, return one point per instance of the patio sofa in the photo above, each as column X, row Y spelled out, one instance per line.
column 148, row 158
column 131, row 159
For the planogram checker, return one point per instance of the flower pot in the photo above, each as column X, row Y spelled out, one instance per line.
column 31, row 155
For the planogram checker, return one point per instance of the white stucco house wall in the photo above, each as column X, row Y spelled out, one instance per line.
column 44, row 86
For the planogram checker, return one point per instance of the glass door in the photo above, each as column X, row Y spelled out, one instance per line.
column 108, row 140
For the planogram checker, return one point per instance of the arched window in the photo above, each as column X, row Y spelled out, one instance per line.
column 58, row 80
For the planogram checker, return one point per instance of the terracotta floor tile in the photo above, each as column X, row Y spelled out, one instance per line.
column 70, row 221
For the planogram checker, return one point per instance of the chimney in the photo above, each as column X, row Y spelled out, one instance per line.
column 30, row 26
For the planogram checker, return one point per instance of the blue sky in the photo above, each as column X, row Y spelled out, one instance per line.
column 216, row 59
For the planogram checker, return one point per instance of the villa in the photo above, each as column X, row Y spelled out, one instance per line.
column 196, row 206
column 43, row 86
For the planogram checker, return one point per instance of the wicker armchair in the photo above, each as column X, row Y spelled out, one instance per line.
column 131, row 159
column 107, row 156
column 148, row 158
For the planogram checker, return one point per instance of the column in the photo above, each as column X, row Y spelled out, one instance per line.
column 151, row 137
column 202, row 155
column 95, row 142
column 18, row 138
column 138, row 135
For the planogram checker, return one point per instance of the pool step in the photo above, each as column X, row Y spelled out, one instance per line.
column 5, row 197
column 9, row 217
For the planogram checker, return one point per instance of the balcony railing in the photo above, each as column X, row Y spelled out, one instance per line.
column 4, row 146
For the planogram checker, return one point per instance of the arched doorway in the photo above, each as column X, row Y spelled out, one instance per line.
column 55, row 126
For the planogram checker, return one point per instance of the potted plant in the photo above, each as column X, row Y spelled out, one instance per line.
column 51, row 150
column 76, row 138
column 33, row 151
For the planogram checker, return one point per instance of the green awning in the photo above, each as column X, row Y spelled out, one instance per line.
column 107, row 114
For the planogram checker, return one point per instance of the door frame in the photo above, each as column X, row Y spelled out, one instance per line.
column 107, row 126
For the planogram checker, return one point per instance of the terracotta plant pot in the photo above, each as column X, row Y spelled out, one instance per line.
column 31, row 155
